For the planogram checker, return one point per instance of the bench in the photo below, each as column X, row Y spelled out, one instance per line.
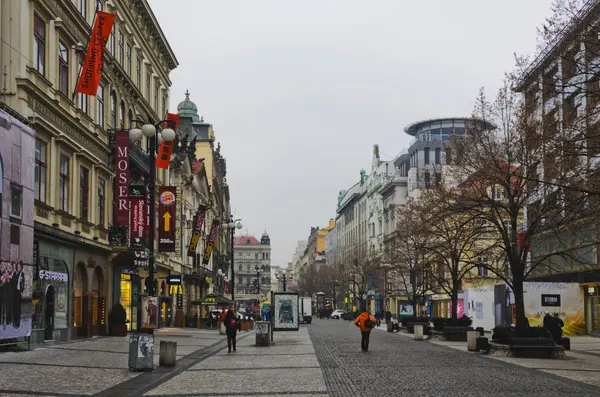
column 534, row 346
column 456, row 333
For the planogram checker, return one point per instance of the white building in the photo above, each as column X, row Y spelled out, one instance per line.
column 252, row 266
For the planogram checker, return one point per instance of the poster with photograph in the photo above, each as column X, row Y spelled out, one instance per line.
column 15, row 300
column 149, row 312
column 285, row 314
column 405, row 309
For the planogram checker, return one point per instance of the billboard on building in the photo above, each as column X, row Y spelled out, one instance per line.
column 15, row 300
column 564, row 299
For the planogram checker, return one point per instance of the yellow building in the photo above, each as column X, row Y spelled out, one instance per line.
column 315, row 250
column 43, row 45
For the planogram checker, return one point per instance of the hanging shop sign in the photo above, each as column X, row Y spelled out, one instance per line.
column 167, row 200
column 138, row 217
column 211, row 242
column 178, row 207
column 197, row 233
column 174, row 279
column 122, row 180
column 166, row 148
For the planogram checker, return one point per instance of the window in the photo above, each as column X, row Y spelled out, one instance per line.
column 482, row 270
column 101, row 201
column 121, row 48
column 84, row 192
column 138, row 73
column 496, row 193
column 100, row 106
column 63, row 183
column 438, row 179
column 263, row 255
column 40, row 170
column 248, row 267
column 448, row 156
column 83, row 8
column 156, row 91
column 164, row 105
column 82, row 102
column 113, row 109
column 427, row 180
column 438, row 155
column 427, row 155
column 122, row 114
column 256, row 256
column 16, row 192
column 267, row 255
column 111, row 41
column 148, row 87
column 63, row 69
column 39, row 44
column 128, row 66
column 15, row 234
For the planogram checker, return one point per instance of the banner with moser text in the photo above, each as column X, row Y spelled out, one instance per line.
column 91, row 71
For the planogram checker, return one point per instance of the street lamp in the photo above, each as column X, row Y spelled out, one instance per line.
column 154, row 135
column 284, row 277
column 231, row 226
column 258, row 270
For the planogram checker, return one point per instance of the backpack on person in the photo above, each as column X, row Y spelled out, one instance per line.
column 232, row 322
column 369, row 323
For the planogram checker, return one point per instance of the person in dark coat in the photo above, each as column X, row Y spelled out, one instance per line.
column 18, row 283
column 231, row 327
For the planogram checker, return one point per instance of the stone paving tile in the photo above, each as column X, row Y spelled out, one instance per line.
column 401, row 366
column 51, row 379
column 262, row 361
column 243, row 380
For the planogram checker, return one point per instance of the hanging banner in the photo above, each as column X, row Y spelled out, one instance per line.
column 137, row 224
column 167, row 205
column 211, row 242
column 166, row 148
column 122, row 182
column 197, row 233
column 91, row 71
column 178, row 221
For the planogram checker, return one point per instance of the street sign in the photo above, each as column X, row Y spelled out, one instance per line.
column 167, row 200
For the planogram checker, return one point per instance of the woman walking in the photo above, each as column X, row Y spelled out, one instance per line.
column 231, row 327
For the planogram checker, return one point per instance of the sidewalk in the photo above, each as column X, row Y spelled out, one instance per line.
column 582, row 363
column 290, row 366
column 86, row 367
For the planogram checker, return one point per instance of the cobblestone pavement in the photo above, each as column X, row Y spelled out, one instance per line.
column 400, row 366
column 89, row 366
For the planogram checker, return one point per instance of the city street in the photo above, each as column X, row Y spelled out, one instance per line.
column 321, row 359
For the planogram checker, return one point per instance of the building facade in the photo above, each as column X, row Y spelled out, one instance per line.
column 252, row 268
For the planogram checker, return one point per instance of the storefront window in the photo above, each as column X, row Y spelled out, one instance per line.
column 126, row 301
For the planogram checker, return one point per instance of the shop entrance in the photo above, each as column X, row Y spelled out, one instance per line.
column 49, row 314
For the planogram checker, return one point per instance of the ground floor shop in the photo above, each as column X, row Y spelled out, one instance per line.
column 90, row 292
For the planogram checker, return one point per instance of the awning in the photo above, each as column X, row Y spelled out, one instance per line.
column 212, row 299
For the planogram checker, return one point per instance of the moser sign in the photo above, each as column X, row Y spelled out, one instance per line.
column 122, row 182
column 198, row 225
column 211, row 242
column 137, row 195
column 167, row 214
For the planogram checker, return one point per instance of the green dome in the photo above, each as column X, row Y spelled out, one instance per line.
column 188, row 108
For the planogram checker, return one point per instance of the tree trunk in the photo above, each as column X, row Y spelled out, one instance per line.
column 522, row 322
column 454, row 298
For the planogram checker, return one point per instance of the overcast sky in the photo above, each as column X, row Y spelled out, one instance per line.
column 298, row 91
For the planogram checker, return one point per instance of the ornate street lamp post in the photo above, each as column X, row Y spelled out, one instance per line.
column 231, row 226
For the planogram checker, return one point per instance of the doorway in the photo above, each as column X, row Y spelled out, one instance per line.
column 49, row 314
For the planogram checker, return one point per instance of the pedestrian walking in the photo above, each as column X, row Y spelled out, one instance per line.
column 378, row 318
column 366, row 323
column 231, row 328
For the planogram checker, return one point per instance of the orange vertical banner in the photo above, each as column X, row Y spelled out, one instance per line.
column 166, row 148
column 91, row 71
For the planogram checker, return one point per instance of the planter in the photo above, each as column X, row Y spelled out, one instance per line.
column 527, row 348
column 245, row 325
column 118, row 330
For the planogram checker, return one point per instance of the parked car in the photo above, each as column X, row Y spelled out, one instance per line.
column 337, row 314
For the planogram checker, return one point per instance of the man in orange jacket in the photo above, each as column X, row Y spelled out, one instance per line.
column 365, row 322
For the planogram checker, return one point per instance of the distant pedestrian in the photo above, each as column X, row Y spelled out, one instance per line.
column 366, row 323
column 231, row 328
column 378, row 318
column 388, row 316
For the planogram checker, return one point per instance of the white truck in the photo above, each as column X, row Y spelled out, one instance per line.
column 305, row 311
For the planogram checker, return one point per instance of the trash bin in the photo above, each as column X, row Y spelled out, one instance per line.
column 263, row 334
column 390, row 326
column 472, row 336
column 418, row 332
column 141, row 351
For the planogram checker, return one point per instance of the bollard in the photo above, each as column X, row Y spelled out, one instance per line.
column 167, row 353
column 418, row 332
column 472, row 340
column 222, row 330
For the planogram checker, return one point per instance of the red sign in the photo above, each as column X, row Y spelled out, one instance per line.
column 166, row 148
column 211, row 242
column 122, row 182
column 138, row 215
column 91, row 71
column 167, row 214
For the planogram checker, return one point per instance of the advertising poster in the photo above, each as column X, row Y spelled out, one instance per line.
column 566, row 299
column 211, row 241
column 405, row 309
column 198, row 227
column 285, row 316
column 167, row 215
column 149, row 311
column 138, row 217
column 15, row 300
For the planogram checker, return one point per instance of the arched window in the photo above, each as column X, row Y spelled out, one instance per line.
column 113, row 109
column 130, row 119
column 122, row 115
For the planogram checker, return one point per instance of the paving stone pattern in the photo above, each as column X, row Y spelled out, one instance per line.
column 399, row 366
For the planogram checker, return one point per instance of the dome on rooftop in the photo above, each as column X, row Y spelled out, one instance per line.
column 187, row 108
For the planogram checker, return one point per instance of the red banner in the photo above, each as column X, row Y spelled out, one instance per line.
column 167, row 216
column 138, row 215
column 122, row 180
column 91, row 70
column 166, row 148
column 211, row 242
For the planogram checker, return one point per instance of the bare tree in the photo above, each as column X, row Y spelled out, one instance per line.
column 358, row 272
